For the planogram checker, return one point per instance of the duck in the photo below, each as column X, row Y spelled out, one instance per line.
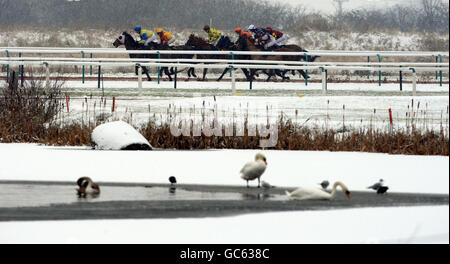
column 266, row 185
column 312, row 193
column 324, row 184
column 172, row 180
column 87, row 187
column 382, row 189
column 376, row 185
column 254, row 169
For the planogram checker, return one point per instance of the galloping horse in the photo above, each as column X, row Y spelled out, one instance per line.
column 246, row 44
column 131, row 44
column 197, row 43
column 224, row 44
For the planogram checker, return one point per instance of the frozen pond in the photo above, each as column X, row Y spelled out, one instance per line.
column 33, row 195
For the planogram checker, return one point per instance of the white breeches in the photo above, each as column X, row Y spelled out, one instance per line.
column 153, row 37
column 270, row 43
column 283, row 38
column 172, row 40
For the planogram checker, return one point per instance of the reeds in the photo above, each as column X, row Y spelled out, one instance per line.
column 35, row 114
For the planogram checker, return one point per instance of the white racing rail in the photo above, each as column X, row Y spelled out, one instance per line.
column 231, row 63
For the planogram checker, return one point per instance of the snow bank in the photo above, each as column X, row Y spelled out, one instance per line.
column 402, row 173
column 418, row 224
column 118, row 135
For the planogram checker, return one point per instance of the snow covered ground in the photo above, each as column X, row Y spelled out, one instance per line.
column 423, row 224
column 423, row 174
column 418, row 224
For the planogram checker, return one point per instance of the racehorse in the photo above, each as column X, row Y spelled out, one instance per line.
column 224, row 44
column 246, row 44
column 131, row 44
column 197, row 43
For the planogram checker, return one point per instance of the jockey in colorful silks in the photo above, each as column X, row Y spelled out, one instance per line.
column 265, row 39
column 165, row 37
column 147, row 36
column 278, row 35
column 214, row 35
column 242, row 33
column 255, row 30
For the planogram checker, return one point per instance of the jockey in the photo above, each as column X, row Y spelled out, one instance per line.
column 241, row 33
column 165, row 37
column 147, row 36
column 266, row 40
column 255, row 30
column 279, row 36
column 214, row 35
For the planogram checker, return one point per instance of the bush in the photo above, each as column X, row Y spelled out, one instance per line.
column 27, row 110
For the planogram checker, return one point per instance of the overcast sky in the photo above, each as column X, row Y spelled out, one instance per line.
column 328, row 6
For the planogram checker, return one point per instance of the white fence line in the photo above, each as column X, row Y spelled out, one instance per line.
column 50, row 50
column 87, row 60
column 233, row 64
column 221, row 66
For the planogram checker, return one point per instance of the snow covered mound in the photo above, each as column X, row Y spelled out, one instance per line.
column 118, row 135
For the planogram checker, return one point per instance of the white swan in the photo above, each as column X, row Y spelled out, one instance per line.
column 254, row 169
column 311, row 193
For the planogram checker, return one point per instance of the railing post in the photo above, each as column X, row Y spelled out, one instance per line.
column 47, row 76
column 20, row 66
column 139, row 79
column 436, row 73
column 379, row 72
column 21, row 72
column 306, row 71
column 368, row 65
column 401, row 80
column 233, row 81
column 324, row 80
column 251, row 78
column 440, row 72
column 99, row 75
column 231, row 70
column 82, row 79
column 414, row 83
column 175, row 79
column 90, row 67
column 159, row 68
column 7, row 67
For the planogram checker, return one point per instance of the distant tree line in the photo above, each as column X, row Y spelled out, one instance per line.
column 126, row 13
column 431, row 15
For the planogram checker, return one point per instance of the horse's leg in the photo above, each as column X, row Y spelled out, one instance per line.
column 246, row 73
column 269, row 74
column 205, row 70
column 282, row 74
column 166, row 71
column 302, row 72
column 223, row 73
column 193, row 72
column 146, row 73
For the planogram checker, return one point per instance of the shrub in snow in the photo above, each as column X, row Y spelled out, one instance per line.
column 118, row 135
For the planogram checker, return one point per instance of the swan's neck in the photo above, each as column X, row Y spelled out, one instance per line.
column 335, row 185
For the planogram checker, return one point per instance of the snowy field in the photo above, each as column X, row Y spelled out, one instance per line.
column 304, row 105
column 418, row 224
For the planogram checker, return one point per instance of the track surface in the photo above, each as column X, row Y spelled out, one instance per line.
column 162, row 201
